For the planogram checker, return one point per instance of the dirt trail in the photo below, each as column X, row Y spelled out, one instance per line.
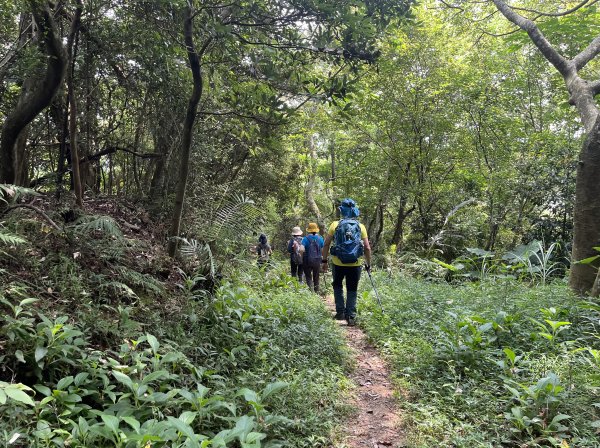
column 376, row 422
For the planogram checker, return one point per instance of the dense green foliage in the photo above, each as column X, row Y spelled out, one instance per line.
column 454, row 134
column 491, row 363
column 97, row 352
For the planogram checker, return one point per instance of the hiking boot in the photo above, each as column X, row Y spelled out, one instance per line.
column 351, row 321
column 339, row 316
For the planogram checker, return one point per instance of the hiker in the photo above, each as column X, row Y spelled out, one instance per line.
column 263, row 250
column 294, row 245
column 350, row 242
column 311, row 261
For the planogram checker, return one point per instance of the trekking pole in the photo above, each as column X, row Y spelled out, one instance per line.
column 375, row 289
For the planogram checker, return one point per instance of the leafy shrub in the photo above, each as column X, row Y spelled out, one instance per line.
column 491, row 363
column 235, row 369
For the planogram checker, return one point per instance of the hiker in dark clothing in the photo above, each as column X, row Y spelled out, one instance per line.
column 263, row 250
column 294, row 245
column 313, row 245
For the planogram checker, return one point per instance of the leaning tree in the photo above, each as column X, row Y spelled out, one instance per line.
column 539, row 21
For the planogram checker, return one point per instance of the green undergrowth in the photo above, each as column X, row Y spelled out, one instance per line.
column 104, row 343
column 489, row 364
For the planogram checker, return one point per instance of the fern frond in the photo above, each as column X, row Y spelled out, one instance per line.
column 10, row 239
column 193, row 250
column 10, row 193
column 100, row 223
column 119, row 289
column 142, row 281
column 238, row 216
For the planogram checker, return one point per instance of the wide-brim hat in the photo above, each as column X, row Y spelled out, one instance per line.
column 312, row 227
column 296, row 231
column 348, row 208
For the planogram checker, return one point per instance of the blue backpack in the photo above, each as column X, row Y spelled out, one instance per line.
column 313, row 251
column 348, row 246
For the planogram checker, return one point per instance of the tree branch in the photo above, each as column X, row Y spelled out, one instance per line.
column 557, row 14
column 238, row 114
column 563, row 65
column 588, row 54
column 595, row 87
column 113, row 149
column 35, row 209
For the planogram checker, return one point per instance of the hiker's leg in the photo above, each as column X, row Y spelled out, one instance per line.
column 293, row 268
column 300, row 273
column 316, row 271
column 352, row 278
column 338, row 288
column 308, row 275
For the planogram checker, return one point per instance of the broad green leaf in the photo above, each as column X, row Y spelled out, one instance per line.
column 40, row 352
column 135, row 424
column 18, row 395
column 188, row 417
column 154, row 344
column 249, row 395
column 183, row 428
column 80, row 378
column 254, row 437
column 64, row 383
column 44, row 390
column 272, row 388
column 159, row 374
column 510, row 354
column 445, row 265
column 111, row 422
column 588, row 260
column 19, row 356
column 122, row 378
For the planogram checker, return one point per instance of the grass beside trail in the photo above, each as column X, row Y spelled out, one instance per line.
column 489, row 364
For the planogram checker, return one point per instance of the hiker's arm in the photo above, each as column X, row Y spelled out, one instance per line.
column 325, row 251
column 367, row 248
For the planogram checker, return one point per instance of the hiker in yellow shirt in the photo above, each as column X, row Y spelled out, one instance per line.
column 350, row 243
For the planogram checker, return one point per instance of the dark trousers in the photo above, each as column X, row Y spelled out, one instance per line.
column 312, row 271
column 352, row 276
column 296, row 270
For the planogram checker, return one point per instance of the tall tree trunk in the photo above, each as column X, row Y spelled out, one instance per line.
column 72, row 52
column 60, row 114
column 587, row 213
column 403, row 213
column 586, row 225
column 22, row 158
column 29, row 108
column 336, row 200
column 376, row 226
column 188, row 125
column 309, row 190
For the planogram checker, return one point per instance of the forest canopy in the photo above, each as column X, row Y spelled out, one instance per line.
column 444, row 120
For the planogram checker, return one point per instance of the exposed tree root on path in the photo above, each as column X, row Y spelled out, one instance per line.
column 376, row 422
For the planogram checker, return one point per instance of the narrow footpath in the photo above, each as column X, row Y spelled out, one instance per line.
column 376, row 422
